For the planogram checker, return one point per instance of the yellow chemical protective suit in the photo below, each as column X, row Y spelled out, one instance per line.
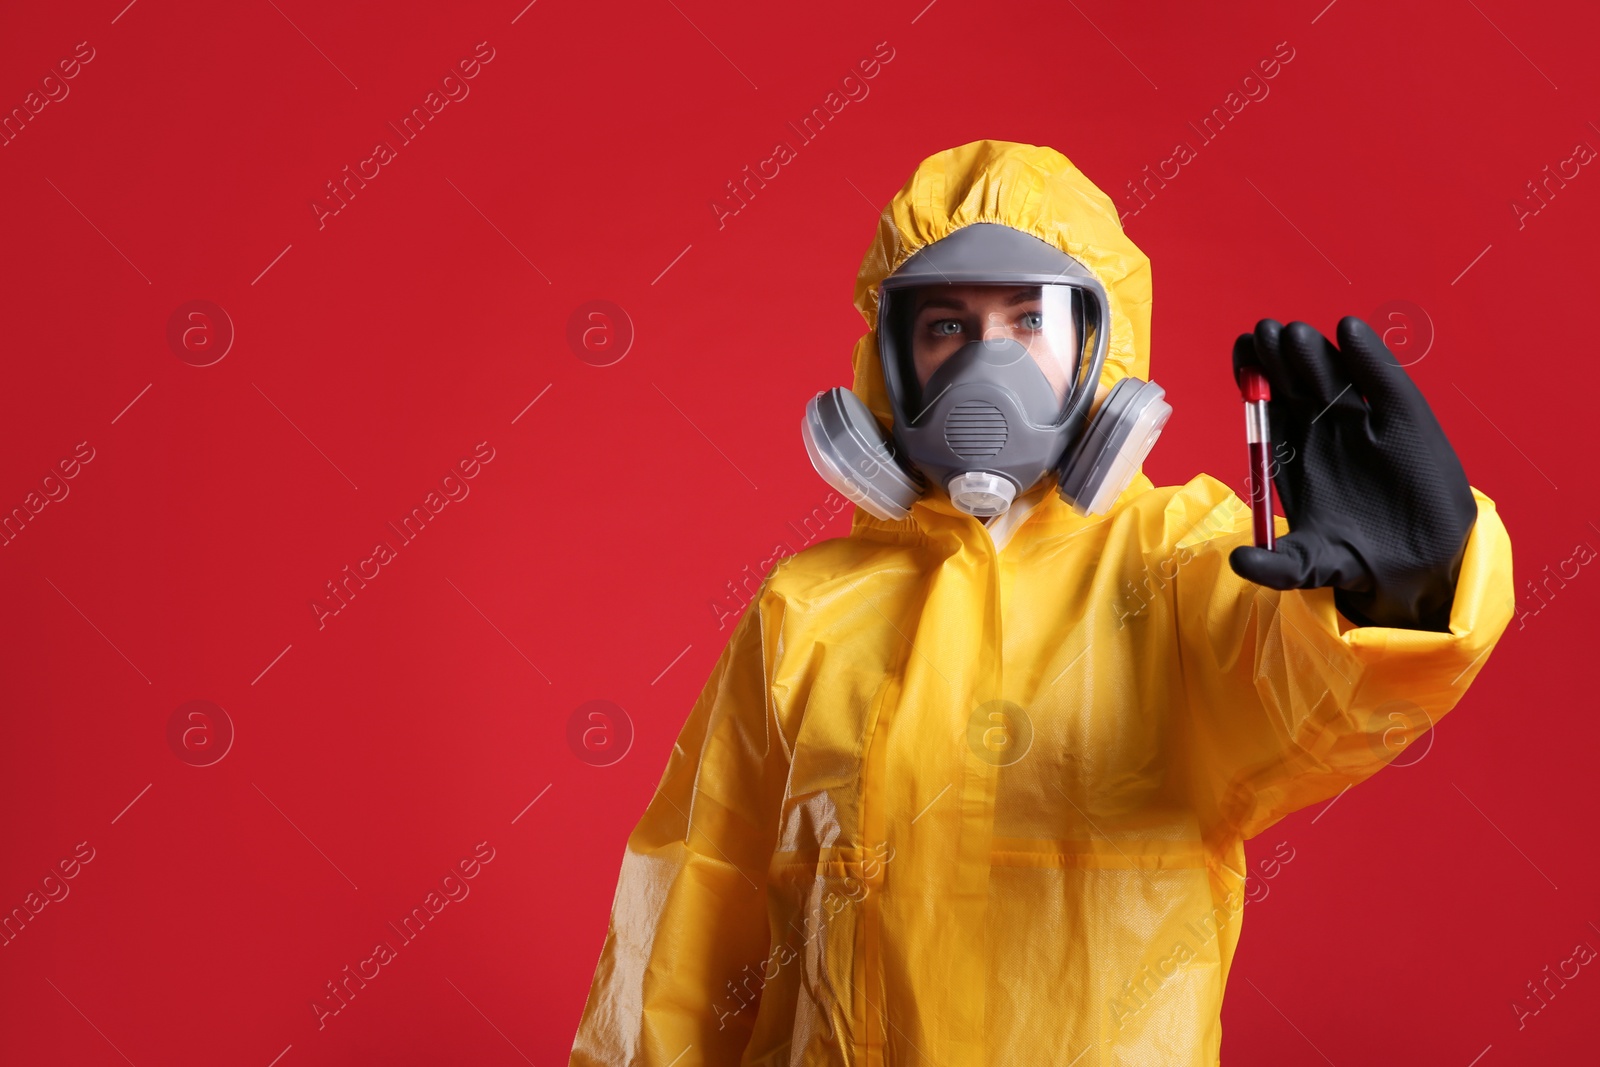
column 962, row 798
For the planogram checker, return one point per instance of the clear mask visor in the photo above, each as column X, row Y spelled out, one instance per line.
column 936, row 321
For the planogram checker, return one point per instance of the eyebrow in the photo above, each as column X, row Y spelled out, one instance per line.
column 1022, row 297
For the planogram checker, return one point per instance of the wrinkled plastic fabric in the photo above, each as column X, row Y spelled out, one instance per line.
column 943, row 804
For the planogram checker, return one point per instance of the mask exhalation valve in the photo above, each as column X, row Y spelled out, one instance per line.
column 981, row 493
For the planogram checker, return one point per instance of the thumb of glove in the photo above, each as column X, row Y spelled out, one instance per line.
column 1297, row 564
column 1275, row 569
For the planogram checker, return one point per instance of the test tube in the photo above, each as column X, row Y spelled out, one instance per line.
column 1256, row 392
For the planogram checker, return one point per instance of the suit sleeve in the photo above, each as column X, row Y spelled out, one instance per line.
column 1290, row 702
column 689, row 913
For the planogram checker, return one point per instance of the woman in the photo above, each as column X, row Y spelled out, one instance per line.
column 972, row 784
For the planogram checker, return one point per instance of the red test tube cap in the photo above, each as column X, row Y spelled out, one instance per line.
column 1253, row 385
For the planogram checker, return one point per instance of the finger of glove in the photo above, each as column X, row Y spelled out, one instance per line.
column 1269, row 355
column 1300, row 561
column 1287, row 463
column 1285, row 424
column 1244, row 354
column 1410, row 432
column 1286, row 411
column 1317, row 364
column 1389, row 390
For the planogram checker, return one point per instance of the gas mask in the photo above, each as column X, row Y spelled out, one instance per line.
column 992, row 342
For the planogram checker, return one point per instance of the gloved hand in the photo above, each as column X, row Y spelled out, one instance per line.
column 1378, row 505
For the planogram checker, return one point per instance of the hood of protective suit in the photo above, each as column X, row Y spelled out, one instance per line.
column 1030, row 188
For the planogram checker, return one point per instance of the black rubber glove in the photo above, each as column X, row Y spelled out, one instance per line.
column 1378, row 505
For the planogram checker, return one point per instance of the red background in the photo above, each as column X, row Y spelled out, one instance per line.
column 373, row 353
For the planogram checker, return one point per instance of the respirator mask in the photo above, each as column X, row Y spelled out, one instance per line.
column 992, row 342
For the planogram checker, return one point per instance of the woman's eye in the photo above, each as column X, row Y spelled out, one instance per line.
column 946, row 328
column 1031, row 320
